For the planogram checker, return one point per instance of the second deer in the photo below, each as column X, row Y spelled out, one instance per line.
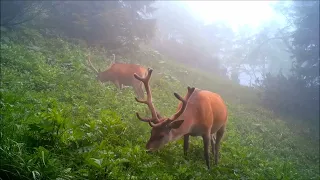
column 200, row 113
column 122, row 74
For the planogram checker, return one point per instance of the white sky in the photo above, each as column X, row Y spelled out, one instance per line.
column 235, row 13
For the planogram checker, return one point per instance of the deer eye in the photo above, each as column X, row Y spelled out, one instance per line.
column 160, row 136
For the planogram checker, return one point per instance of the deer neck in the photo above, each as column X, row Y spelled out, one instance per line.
column 106, row 76
column 176, row 134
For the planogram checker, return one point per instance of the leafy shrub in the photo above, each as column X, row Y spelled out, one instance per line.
column 58, row 122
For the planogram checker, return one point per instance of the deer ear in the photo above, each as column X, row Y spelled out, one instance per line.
column 176, row 124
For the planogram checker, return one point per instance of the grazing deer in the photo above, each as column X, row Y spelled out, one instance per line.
column 122, row 74
column 200, row 113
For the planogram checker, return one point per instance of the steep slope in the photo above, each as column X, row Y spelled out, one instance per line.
column 58, row 122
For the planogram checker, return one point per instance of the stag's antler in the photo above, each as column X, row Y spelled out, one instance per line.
column 154, row 120
column 145, row 81
column 114, row 58
column 184, row 103
column 91, row 66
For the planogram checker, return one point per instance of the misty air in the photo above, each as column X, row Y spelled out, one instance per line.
column 162, row 90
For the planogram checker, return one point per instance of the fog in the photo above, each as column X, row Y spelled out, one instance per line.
column 69, row 81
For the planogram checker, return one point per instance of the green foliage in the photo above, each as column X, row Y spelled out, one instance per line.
column 124, row 27
column 15, row 13
column 306, row 42
column 58, row 122
column 297, row 95
column 292, row 97
column 111, row 24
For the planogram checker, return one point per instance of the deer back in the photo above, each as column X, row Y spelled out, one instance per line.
column 124, row 72
column 205, row 111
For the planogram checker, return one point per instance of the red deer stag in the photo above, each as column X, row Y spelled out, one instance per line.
column 200, row 113
column 122, row 74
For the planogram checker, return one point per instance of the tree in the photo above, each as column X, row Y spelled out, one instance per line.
column 298, row 94
column 111, row 24
column 306, row 42
column 15, row 13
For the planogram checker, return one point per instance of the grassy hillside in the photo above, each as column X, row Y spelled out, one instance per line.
column 57, row 121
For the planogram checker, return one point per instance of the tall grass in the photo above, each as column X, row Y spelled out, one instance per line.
column 58, row 122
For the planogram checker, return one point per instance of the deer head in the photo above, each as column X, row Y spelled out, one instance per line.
column 102, row 76
column 161, row 126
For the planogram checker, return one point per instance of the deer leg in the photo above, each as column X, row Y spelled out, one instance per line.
column 220, row 133
column 117, row 84
column 185, row 144
column 213, row 139
column 141, row 90
column 206, row 138
column 137, row 87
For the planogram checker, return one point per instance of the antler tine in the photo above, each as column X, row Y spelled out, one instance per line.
column 143, row 119
column 114, row 59
column 141, row 101
column 89, row 60
column 151, row 107
column 184, row 103
column 149, row 120
column 146, row 79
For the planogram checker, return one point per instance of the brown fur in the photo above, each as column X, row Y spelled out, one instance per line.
column 205, row 114
column 121, row 74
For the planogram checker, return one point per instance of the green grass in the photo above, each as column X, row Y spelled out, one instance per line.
column 57, row 121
